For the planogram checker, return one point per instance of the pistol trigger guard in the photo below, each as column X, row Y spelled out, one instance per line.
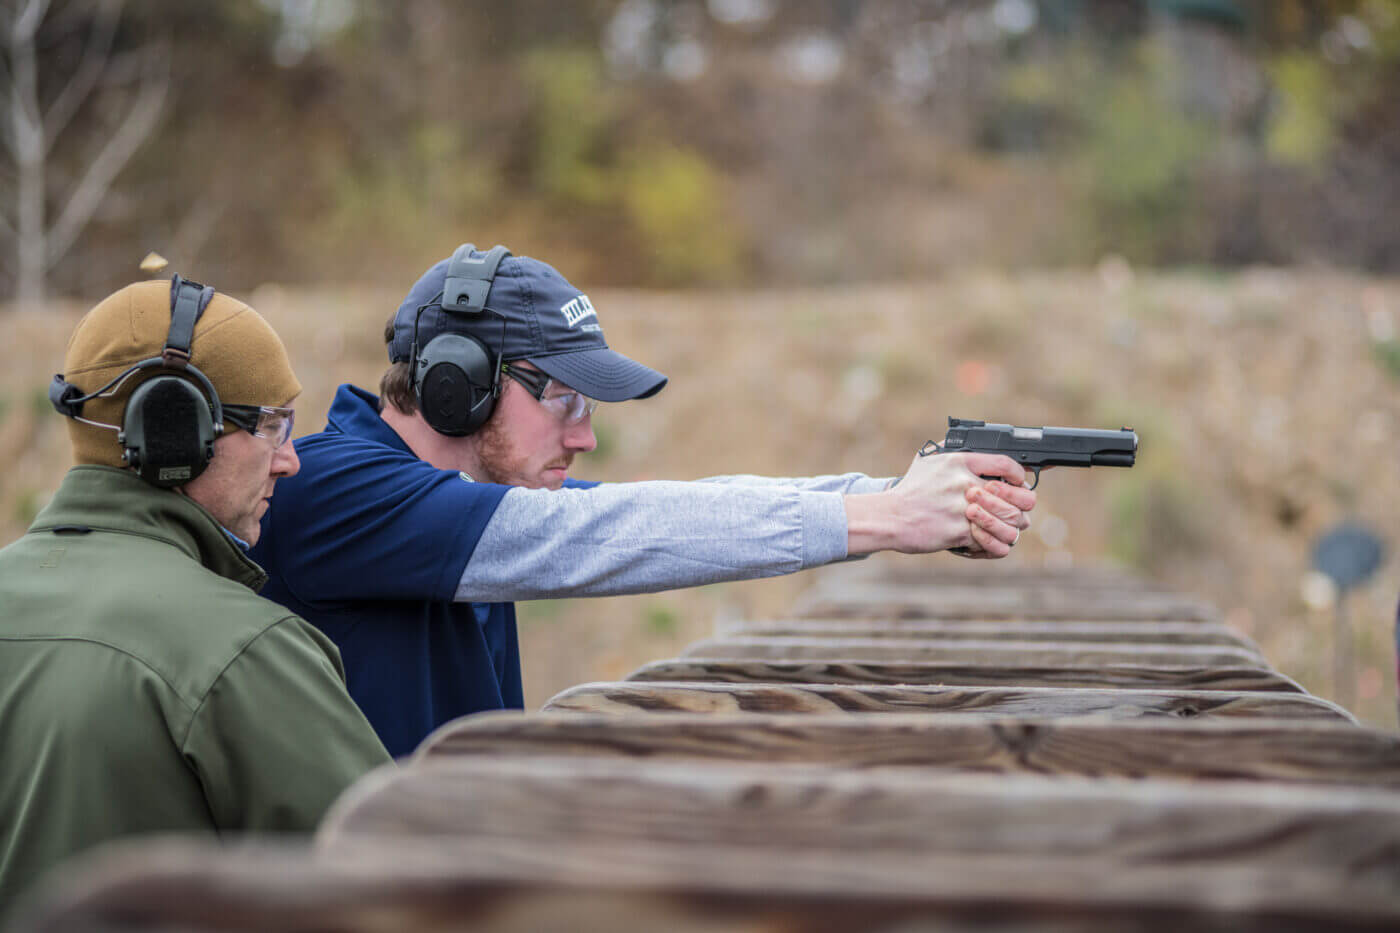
column 930, row 447
column 1036, row 471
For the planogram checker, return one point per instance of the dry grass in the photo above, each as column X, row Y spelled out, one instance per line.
column 1265, row 411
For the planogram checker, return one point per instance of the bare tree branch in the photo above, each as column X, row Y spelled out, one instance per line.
column 101, row 172
column 7, row 88
column 26, row 25
column 25, row 139
column 25, row 120
column 94, row 61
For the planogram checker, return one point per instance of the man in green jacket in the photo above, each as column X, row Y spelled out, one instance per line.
column 144, row 685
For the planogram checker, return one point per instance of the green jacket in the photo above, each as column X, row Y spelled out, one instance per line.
column 145, row 687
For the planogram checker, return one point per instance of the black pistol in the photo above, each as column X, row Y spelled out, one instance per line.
column 1035, row 448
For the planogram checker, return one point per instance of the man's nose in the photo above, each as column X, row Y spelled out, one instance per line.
column 580, row 437
column 285, row 461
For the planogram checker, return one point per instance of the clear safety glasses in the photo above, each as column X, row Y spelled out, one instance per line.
column 265, row 421
column 569, row 407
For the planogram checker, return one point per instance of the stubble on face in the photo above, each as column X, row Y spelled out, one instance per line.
column 234, row 488
column 501, row 460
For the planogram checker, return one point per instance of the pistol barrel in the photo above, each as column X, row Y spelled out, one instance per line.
column 1048, row 446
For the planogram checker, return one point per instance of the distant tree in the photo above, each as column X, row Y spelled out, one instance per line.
column 125, row 91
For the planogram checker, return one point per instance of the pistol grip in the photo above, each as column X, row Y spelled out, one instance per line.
column 933, row 447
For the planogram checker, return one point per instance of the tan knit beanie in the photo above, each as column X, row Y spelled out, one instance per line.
column 232, row 345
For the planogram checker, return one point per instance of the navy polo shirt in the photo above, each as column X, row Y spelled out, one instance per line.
column 368, row 543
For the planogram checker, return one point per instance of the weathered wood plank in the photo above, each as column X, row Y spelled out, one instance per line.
column 718, row 697
column 522, row 886
column 972, row 651
column 865, row 601
column 1282, row 751
column 1167, row 633
column 882, row 672
column 1342, row 831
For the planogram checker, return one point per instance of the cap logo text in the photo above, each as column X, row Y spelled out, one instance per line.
column 577, row 310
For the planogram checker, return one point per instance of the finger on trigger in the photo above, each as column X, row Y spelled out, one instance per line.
column 1019, row 496
column 998, row 465
column 999, row 509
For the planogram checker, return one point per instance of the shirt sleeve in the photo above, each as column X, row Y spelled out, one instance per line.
column 277, row 738
column 373, row 523
column 616, row 539
column 844, row 483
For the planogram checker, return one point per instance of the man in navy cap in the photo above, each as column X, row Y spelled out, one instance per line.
column 419, row 515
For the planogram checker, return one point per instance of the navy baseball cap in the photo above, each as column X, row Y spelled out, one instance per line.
column 539, row 316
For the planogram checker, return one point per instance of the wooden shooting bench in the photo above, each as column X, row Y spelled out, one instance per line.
column 729, row 697
column 1009, row 673
column 1311, row 752
column 437, row 885
column 954, row 750
column 1341, row 830
column 998, row 652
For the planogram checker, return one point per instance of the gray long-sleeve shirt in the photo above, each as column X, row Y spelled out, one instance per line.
column 616, row 539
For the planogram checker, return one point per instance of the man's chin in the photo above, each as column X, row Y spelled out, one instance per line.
column 246, row 532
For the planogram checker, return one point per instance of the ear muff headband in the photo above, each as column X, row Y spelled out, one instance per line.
column 171, row 421
column 468, row 279
column 456, row 377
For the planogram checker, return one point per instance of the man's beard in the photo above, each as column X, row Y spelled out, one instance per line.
column 500, row 461
column 495, row 459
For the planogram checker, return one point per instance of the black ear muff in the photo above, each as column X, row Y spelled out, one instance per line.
column 455, row 376
column 457, row 385
column 167, row 431
column 170, row 422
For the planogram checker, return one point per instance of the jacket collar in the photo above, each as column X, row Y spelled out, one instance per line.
column 107, row 499
column 356, row 412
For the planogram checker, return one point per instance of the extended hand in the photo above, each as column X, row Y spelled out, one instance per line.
column 943, row 502
column 994, row 509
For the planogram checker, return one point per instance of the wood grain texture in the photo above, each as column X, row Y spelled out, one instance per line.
column 522, row 886
column 1254, row 750
column 973, row 651
column 891, row 600
column 1342, row 831
column 882, row 672
column 637, row 697
column 1166, row 633
column 981, row 799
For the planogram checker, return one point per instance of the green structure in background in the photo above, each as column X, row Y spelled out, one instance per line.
column 1218, row 11
column 1068, row 14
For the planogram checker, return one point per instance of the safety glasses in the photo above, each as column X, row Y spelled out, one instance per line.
column 569, row 407
column 265, row 421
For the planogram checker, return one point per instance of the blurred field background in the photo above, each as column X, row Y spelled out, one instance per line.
column 833, row 224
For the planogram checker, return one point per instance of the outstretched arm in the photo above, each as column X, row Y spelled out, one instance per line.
column 848, row 483
column 625, row 538
column 622, row 538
